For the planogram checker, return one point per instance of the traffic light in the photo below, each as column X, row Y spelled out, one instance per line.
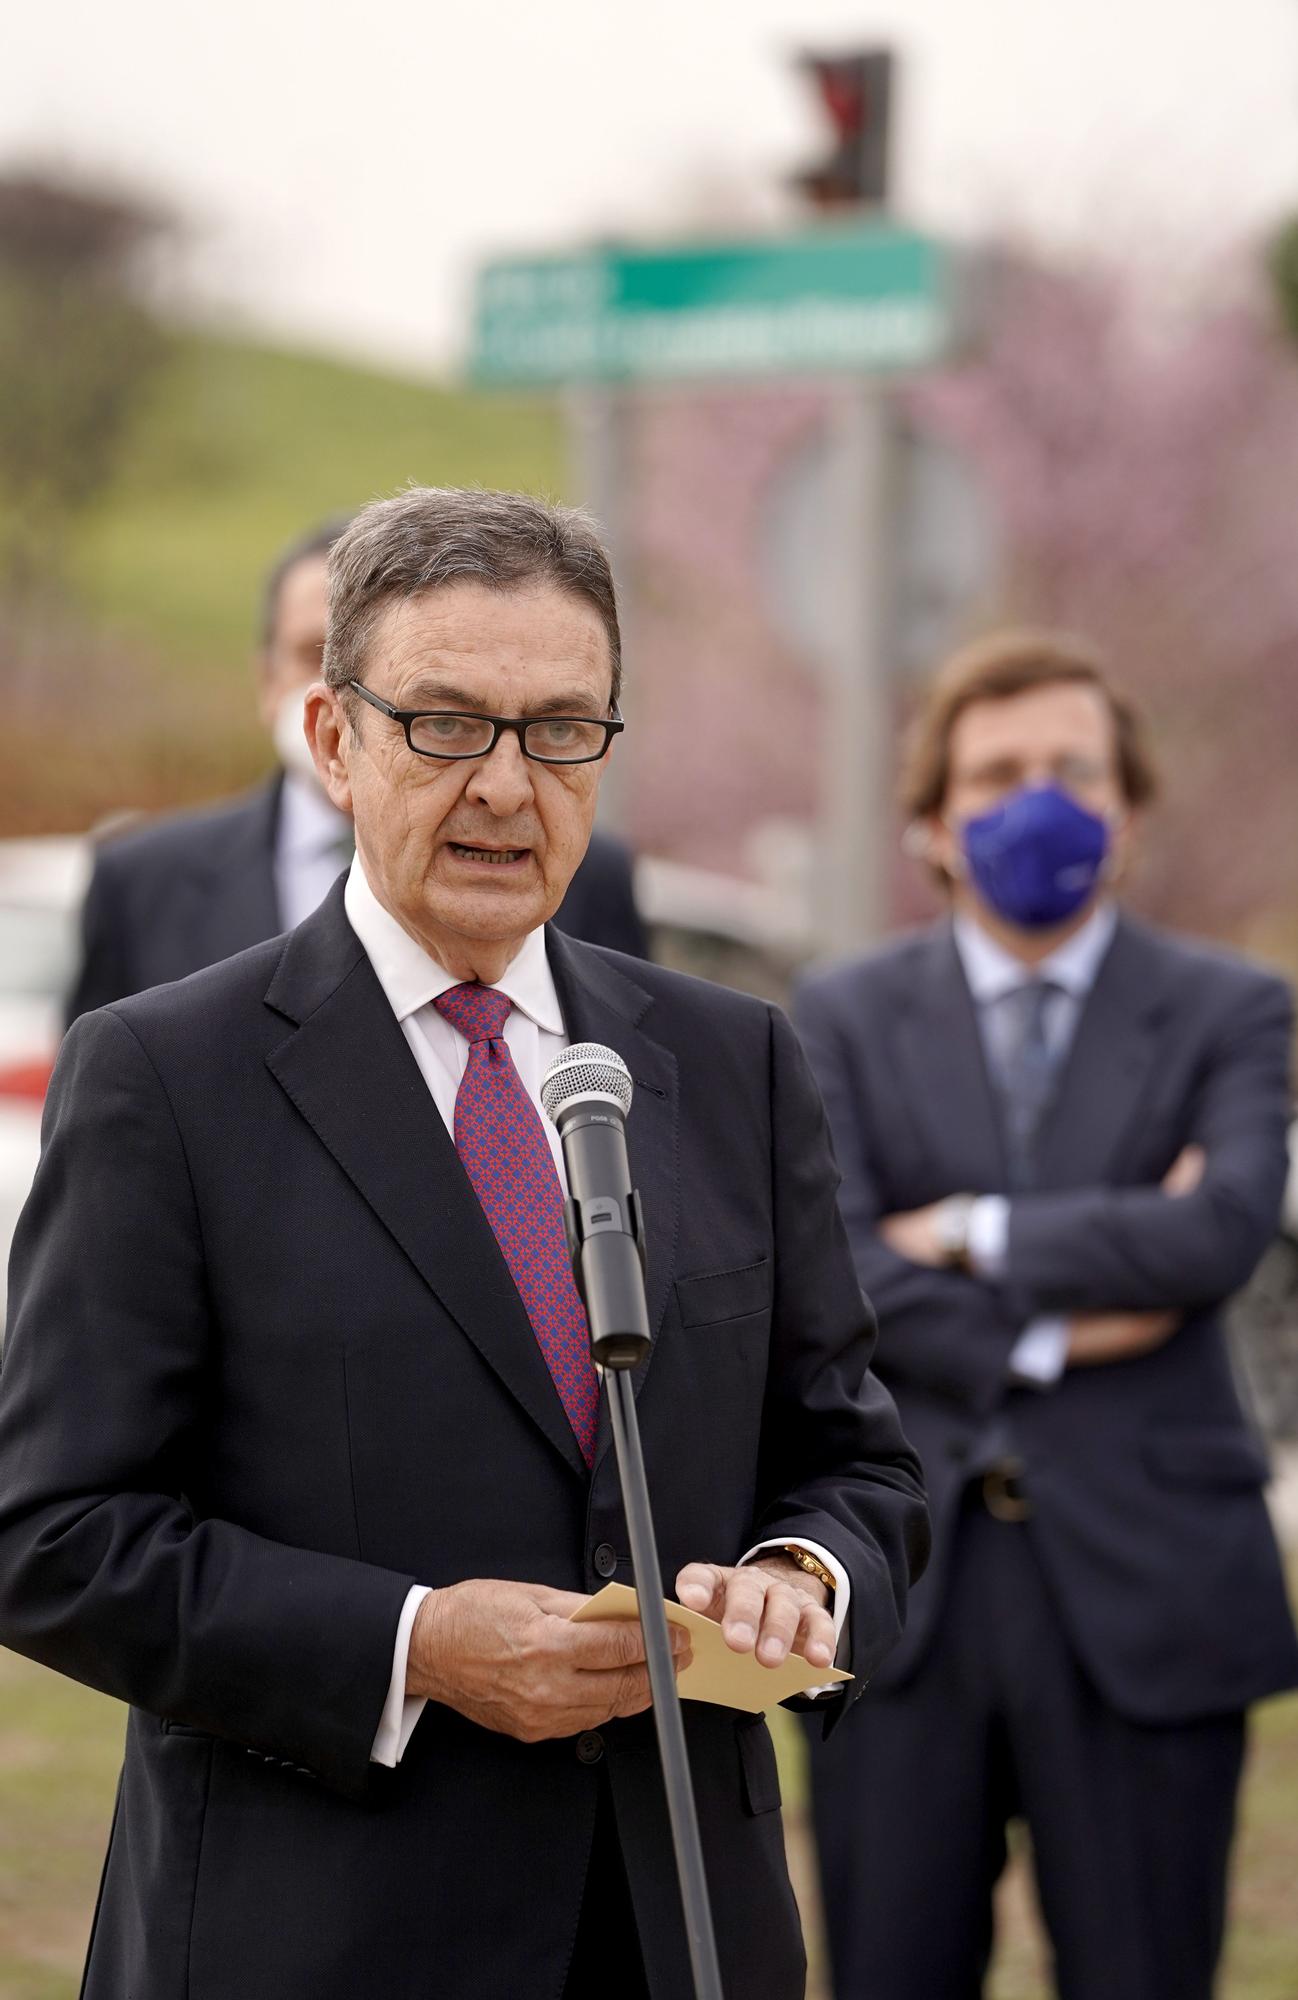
column 856, row 91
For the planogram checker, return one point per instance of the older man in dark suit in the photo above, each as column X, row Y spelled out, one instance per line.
column 1062, row 1139
column 301, row 1449
column 167, row 898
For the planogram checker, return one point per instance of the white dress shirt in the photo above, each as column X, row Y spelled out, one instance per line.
column 313, row 841
column 1039, row 1354
column 534, row 1034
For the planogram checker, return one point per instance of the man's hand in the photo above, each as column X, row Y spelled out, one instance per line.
column 1186, row 1171
column 914, row 1234
column 1117, row 1336
column 505, row 1655
column 768, row 1606
column 1120, row 1336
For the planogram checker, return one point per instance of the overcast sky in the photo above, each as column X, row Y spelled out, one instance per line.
column 348, row 166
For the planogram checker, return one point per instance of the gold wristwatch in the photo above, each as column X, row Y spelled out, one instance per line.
column 812, row 1564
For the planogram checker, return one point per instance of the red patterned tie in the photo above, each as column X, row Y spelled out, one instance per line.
column 501, row 1141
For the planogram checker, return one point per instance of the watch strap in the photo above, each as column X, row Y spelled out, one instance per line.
column 811, row 1564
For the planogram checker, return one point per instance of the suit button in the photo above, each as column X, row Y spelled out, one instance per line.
column 590, row 1747
column 605, row 1559
column 958, row 1449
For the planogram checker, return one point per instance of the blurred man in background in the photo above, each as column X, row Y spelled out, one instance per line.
column 600, row 906
column 1062, row 1140
column 169, row 898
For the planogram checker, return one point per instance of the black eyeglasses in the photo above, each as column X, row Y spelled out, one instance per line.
column 452, row 735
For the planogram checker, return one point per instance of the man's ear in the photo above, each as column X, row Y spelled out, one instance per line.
column 327, row 731
column 931, row 840
column 1122, row 844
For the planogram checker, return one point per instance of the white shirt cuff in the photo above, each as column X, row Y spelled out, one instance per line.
column 1039, row 1354
column 988, row 1235
column 400, row 1711
column 838, row 1609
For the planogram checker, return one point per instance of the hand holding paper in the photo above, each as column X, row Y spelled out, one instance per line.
column 767, row 1605
column 716, row 1674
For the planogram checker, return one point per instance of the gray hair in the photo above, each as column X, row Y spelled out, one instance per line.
column 432, row 536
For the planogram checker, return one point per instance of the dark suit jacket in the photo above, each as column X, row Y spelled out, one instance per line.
column 1145, row 1477
column 267, row 1368
column 184, row 892
column 600, row 906
column 180, row 893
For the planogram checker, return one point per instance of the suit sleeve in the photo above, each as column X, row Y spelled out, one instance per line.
column 102, row 975
column 106, row 1571
column 834, row 1466
column 944, row 1332
column 1095, row 1249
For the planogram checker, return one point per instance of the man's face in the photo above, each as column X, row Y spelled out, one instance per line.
column 291, row 661
column 1062, row 734
column 477, row 852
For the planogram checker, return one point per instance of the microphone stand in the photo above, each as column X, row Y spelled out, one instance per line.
column 617, row 1356
column 662, row 1683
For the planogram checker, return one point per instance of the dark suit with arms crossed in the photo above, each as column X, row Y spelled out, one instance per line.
column 1090, row 1665
column 169, row 898
column 271, row 1370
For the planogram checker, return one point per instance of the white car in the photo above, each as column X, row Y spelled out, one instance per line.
column 42, row 882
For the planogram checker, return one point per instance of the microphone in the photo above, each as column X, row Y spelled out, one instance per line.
column 586, row 1093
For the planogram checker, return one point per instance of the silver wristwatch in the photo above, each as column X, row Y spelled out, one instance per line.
column 951, row 1224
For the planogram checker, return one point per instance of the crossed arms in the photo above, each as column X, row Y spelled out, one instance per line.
column 1123, row 1265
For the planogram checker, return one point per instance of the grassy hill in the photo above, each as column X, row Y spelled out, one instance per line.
column 136, row 694
column 243, row 447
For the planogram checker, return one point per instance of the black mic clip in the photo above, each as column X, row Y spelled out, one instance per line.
column 611, row 1282
column 602, row 1212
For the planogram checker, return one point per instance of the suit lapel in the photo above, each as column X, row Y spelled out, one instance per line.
column 235, row 902
column 601, row 1003
column 348, row 1069
column 1108, row 1066
column 941, row 1052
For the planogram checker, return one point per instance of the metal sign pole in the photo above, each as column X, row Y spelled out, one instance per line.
column 856, row 809
column 595, row 422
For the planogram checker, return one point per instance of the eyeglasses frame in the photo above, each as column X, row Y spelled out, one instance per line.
column 519, row 724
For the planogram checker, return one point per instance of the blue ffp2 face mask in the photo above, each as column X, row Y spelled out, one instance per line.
column 1037, row 857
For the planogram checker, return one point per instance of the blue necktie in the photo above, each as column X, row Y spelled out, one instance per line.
column 1027, row 1066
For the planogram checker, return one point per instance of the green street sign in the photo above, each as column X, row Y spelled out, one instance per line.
column 865, row 299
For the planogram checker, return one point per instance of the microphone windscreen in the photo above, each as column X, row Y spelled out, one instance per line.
column 585, row 1070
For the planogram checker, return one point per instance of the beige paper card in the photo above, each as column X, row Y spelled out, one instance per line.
column 732, row 1680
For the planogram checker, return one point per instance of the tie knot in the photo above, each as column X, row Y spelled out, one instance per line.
column 479, row 1012
column 1028, row 1003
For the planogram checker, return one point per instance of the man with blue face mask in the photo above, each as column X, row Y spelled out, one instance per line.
column 1062, row 1141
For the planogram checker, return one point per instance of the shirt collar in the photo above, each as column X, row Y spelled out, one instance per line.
column 309, row 822
column 412, row 978
column 992, row 971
